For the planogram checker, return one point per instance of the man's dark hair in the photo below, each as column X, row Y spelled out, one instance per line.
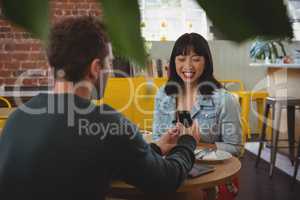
column 74, row 43
column 197, row 43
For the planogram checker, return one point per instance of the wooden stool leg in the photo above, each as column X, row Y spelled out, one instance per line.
column 291, row 131
column 275, row 138
column 263, row 133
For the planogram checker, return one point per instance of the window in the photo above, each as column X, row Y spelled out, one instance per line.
column 166, row 20
column 294, row 13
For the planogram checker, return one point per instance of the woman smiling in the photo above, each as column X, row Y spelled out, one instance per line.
column 192, row 87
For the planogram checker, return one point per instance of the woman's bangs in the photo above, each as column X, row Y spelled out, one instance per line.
column 185, row 49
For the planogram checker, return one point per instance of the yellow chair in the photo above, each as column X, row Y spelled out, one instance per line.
column 119, row 94
column 245, row 99
column 4, row 118
column 228, row 83
column 8, row 104
column 244, row 123
column 144, row 102
column 133, row 97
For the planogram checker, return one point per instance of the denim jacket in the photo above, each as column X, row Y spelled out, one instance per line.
column 218, row 116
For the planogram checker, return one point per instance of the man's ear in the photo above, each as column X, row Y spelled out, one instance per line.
column 95, row 69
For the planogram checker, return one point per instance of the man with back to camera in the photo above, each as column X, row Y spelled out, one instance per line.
column 50, row 148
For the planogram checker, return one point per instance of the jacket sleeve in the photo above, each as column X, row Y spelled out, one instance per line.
column 141, row 164
column 158, row 117
column 230, row 125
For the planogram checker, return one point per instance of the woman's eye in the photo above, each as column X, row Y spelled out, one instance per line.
column 181, row 59
column 196, row 59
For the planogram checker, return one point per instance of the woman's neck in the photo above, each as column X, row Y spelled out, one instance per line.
column 187, row 99
column 190, row 90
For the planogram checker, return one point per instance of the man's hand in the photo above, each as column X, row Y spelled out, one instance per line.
column 168, row 140
column 193, row 131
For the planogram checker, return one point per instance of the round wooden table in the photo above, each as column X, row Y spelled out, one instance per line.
column 225, row 171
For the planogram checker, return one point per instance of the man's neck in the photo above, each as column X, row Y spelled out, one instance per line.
column 62, row 86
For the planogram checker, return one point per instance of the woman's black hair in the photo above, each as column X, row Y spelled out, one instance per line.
column 206, row 82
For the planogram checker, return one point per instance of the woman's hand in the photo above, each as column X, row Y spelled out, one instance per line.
column 169, row 139
column 196, row 131
column 193, row 130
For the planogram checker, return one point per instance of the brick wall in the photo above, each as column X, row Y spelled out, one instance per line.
column 23, row 56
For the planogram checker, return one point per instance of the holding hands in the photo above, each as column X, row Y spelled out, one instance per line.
column 193, row 130
column 170, row 138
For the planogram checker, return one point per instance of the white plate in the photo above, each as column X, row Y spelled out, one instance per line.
column 217, row 155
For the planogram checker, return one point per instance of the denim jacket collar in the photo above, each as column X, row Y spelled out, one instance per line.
column 202, row 101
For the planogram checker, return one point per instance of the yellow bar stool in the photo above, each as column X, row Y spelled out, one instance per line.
column 246, row 98
column 4, row 118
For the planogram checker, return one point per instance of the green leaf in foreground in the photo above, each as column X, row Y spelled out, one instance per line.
column 122, row 20
column 240, row 20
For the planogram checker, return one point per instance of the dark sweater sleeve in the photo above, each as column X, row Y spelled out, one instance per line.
column 156, row 148
column 144, row 167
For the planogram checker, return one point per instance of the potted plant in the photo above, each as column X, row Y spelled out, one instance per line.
column 268, row 51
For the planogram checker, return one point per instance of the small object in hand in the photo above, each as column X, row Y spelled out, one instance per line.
column 184, row 117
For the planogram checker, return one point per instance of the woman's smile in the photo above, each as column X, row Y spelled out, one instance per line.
column 190, row 66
